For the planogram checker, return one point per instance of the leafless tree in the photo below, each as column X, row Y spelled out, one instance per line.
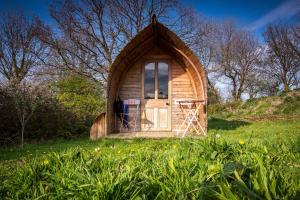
column 236, row 57
column 295, row 44
column 283, row 54
column 247, row 57
column 91, row 33
column 25, row 98
column 85, row 41
column 261, row 83
column 132, row 16
column 21, row 50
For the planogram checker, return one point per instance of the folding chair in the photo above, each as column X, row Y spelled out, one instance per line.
column 190, row 109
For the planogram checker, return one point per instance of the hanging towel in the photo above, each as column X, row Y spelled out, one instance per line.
column 118, row 107
column 125, row 116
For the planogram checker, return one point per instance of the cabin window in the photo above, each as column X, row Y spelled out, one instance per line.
column 156, row 80
column 150, row 81
column 163, row 79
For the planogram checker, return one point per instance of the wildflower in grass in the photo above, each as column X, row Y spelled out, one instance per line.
column 97, row 149
column 46, row 162
column 171, row 164
column 218, row 135
column 242, row 142
column 46, row 188
column 127, row 167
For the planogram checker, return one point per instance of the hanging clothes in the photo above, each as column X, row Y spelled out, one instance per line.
column 121, row 109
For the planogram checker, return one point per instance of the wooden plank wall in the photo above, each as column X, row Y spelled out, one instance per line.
column 182, row 88
column 201, row 96
column 98, row 128
column 131, row 88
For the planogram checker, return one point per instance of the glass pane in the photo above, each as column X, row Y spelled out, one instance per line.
column 150, row 81
column 163, row 79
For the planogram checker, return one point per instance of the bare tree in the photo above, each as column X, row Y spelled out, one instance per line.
column 20, row 48
column 247, row 57
column 283, row 56
column 236, row 57
column 91, row 33
column 26, row 98
column 295, row 43
column 261, row 83
column 86, row 42
column 132, row 16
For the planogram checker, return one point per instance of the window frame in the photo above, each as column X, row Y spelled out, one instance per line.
column 156, row 79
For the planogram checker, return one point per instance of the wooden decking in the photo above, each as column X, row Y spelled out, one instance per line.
column 156, row 135
column 142, row 135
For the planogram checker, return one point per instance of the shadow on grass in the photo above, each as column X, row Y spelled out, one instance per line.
column 223, row 124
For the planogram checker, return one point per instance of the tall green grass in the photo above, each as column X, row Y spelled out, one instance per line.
column 210, row 168
column 238, row 160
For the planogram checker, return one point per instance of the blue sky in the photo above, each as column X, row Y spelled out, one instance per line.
column 34, row 7
column 250, row 14
column 253, row 15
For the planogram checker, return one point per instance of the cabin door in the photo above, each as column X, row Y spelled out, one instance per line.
column 156, row 97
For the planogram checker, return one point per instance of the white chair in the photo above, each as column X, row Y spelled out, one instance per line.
column 190, row 109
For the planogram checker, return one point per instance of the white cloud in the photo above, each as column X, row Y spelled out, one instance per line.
column 284, row 11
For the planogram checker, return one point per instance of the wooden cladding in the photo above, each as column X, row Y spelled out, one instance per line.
column 182, row 88
column 157, row 114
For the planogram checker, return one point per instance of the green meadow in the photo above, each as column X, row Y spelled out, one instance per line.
column 240, row 159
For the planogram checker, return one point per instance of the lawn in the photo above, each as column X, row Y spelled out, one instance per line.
column 238, row 160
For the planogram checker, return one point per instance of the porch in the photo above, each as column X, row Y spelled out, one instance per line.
column 143, row 134
column 147, row 134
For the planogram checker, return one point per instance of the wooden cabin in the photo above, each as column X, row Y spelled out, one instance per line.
column 156, row 68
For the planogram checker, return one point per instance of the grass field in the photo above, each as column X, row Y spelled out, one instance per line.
column 238, row 160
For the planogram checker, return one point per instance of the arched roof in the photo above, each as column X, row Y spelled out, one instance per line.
column 159, row 35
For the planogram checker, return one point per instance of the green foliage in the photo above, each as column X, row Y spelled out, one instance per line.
column 65, row 109
column 80, row 95
column 285, row 105
column 290, row 105
column 213, row 96
column 82, row 99
column 245, row 161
